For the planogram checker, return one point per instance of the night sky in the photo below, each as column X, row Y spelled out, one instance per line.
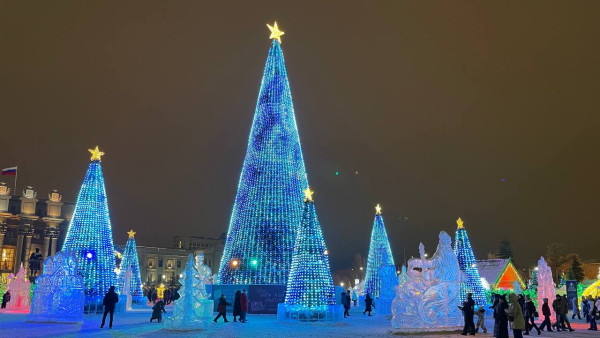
column 483, row 110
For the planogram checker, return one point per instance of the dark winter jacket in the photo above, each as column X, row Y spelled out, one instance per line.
column 369, row 304
column 237, row 306
column 110, row 299
column 529, row 309
column 6, row 297
column 244, row 302
column 546, row 310
column 222, row 305
column 468, row 307
column 158, row 309
column 563, row 306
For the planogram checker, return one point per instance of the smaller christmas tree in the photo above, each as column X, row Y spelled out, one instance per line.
column 130, row 261
column 192, row 310
column 466, row 259
column 380, row 254
column 576, row 270
column 310, row 292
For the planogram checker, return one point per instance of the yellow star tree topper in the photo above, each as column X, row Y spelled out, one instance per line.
column 96, row 154
column 308, row 194
column 131, row 233
column 377, row 210
column 459, row 221
column 275, row 32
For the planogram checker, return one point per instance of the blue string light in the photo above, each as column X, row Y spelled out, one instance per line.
column 90, row 232
column 130, row 260
column 466, row 260
column 310, row 285
column 268, row 204
column 380, row 254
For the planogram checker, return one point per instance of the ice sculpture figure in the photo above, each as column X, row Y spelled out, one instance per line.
column 545, row 284
column 517, row 289
column 126, row 290
column 192, row 311
column 58, row 296
column 19, row 287
column 428, row 294
column 389, row 280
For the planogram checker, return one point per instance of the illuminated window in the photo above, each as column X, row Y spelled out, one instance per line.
column 151, row 262
column 7, row 259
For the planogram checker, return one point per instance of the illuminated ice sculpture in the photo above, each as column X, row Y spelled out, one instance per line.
column 545, row 287
column 19, row 287
column 389, row 280
column 58, row 296
column 427, row 296
column 193, row 310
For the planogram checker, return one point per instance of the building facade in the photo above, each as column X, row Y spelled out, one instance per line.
column 165, row 265
column 28, row 223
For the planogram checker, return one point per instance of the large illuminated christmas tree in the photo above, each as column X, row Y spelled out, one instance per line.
column 380, row 254
column 310, row 284
column 468, row 265
column 130, row 261
column 268, row 204
column 90, row 232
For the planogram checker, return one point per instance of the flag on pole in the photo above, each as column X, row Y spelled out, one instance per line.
column 12, row 171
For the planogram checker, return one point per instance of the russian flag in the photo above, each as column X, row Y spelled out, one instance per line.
column 12, row 171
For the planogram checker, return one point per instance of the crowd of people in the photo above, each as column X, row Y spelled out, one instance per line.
column 519, row 313
column 151, row 293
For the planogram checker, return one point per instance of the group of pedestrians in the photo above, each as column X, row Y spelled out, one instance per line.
column 240, row 307
column 520, row 312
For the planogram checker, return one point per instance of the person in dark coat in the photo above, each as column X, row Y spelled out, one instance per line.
column 5, row 299
column 348, row 300
column 157, row 311
column 547, row 323
column 222, row 308
column 529, row 315
column 110, row 300
column 368, row 304
column 244, row 305
column 468, row 309
column 494, row 304
column 237, row 306
column 344, row 302
column 501, row 312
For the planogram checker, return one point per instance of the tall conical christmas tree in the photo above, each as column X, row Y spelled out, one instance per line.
column 310, row 285
column 268, row 204
column 90, row 233
column 380, row 254
column 130, row 261
column 468, row 265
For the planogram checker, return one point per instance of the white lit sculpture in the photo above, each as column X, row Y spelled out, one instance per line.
column 545, row 287
column 58, row 296
column 427, row 296
column 19, row 287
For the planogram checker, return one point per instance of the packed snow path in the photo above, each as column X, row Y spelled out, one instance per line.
column 137, row 324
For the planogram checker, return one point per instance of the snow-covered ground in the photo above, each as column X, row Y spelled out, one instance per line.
column 137, row 324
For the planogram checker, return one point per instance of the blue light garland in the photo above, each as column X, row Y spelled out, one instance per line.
column 268, row 204
column 130, row 260
column 380, row 254
column 310, row 284
column 468, row 264
column 90, row 233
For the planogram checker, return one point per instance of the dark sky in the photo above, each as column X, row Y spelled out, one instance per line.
column 432, row 103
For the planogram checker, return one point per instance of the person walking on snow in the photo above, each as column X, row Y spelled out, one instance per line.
column 576, row 312
column 244, row 306
column 222, row 308
column 368, row 304
column 515, row 316
column 157, row 311
column 237, row 306
column 529, row 313
column 110, row 300
column 480, row 320
column 5, row 299
column 344, row 301
column 468, row 309
column 546, row 313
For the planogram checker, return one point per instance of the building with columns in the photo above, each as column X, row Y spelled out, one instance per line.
column 28, row 223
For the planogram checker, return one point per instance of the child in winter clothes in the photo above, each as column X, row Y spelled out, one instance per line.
column 480, row 320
